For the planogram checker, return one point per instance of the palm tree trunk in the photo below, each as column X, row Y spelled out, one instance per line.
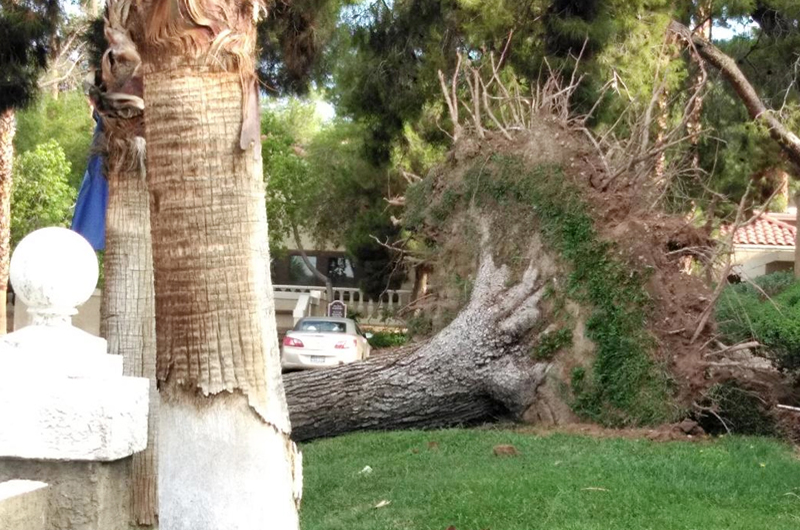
column 8, row 128
column 128, row 308
column 226, row 459
column 128, row 315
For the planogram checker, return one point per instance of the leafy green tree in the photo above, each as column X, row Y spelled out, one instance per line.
column 288, row 126
column 740, row 151
column 387, row 70
column 26, row 31
column 42, row 195
column 66, row 119
column 291, row 40
column 319, row 182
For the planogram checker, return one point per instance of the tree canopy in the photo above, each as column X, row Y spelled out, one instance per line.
column 26, row 30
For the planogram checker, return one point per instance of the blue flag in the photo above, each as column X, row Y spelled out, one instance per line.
column 89, row 219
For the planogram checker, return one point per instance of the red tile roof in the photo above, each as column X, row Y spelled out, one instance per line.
column 765, row 230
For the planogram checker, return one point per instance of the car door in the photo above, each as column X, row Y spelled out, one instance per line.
column 363, row 346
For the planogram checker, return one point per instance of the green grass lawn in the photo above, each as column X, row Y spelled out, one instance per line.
column 556, row 482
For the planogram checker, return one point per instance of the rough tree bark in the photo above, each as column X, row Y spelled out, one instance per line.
column 225, row 455
column 7, row 129
column 128, row 316
column 128, row 305
column 472, row 370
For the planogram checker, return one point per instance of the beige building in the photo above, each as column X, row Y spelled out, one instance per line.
column 299, row 293
column 766, row 245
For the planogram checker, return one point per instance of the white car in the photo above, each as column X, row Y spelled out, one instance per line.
column 322, row 342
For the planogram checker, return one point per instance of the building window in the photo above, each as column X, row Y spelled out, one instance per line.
column 299, row 274
column 340, row 271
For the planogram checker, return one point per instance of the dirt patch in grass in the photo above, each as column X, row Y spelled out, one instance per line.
column 662, row 433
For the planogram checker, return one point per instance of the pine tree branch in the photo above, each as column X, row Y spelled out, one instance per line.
column 756, row 108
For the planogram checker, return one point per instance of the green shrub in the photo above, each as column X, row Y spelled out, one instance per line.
column 41, row 194
column 775, row 283
column 66, row 119
column 388, row 339
column 744, row 313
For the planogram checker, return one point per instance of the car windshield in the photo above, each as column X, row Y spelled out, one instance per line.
column 322, row 325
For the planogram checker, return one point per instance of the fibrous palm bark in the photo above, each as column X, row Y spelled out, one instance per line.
column 128, row 321
column 7, row 130
column 225, row 456
column 128, row 308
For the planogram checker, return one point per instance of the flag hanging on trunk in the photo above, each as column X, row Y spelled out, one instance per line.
column 89, row 219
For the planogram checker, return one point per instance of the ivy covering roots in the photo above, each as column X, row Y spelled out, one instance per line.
column 623, row 385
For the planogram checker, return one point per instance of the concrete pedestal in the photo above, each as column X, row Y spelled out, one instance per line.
column 23, row 505
column 68, row 418
column 80, row 495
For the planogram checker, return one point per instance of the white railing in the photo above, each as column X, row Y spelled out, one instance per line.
column 376, row 311
column 306, row 305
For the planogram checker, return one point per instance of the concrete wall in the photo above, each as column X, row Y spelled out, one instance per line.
column 80, row 496
column 753, row 261
column 23, row 505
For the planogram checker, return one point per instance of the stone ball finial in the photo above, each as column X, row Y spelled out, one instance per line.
column 54, row 270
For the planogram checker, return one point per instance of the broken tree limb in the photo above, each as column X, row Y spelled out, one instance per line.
column 471, row 371
column 758, row 111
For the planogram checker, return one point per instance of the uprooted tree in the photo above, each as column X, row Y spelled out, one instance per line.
column 561, row 288
column 558, row 286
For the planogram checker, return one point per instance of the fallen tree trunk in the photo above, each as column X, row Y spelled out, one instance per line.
column 474, row 369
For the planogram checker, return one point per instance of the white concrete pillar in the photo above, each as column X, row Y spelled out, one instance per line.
column 69, row 418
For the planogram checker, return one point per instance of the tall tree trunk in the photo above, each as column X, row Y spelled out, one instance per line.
column 226, row 460
column 8, row 128
column 128, row 308
column 472, row 370
column 128, row 316
column 298, row 241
